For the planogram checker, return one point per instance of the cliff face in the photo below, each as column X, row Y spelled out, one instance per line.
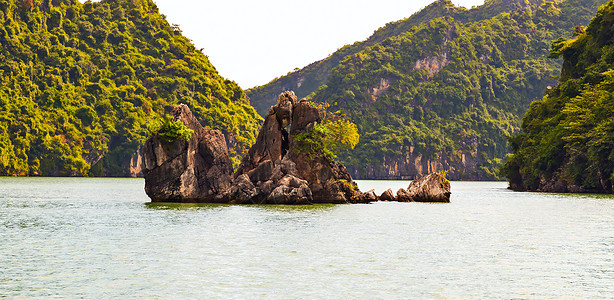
column 415, row 166
column 441, row 89
column 196, row 170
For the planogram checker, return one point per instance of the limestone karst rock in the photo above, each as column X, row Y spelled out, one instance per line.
column 275, row 170
column 272, row 141
column 387, row 196
column 366, row 197
column 276, row 167
column 329, row 181
column 403, row 196
column 196, row 170
column 430, row 188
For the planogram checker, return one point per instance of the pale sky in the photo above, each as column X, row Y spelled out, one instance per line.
column 252, row 42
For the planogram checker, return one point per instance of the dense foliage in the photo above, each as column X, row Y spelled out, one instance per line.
column 569, row 135
column 451, row 86
column 170, row 130
column 307, row 80
column 328, row 138
column 79, row 84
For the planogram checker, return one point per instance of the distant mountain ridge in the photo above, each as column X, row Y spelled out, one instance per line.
column 307, row 80
column 441, row 89
column 81, row 83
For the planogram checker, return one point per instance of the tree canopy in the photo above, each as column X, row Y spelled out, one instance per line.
column 451, row 90
column 80, row 83
column 568, row 136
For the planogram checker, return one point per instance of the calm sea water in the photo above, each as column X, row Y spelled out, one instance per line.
column 99, row 238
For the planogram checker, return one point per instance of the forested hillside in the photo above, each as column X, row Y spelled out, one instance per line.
column 567, row 139
column 443, row 88
column 81, row 83
column 307, row 80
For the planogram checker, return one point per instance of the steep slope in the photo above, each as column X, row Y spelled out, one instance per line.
column 444, row 94
column 307, row 80
column 567, row 139
column 81, row 83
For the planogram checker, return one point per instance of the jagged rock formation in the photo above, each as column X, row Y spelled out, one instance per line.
column 387, row 195
column 430, row 188
column 329, row 181
column 274, row 171
column 194, row 171
column 276, row 168
column 403, row 196
column 367, row 197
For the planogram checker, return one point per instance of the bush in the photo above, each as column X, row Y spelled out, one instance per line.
column 170, row 130
column 328, row 139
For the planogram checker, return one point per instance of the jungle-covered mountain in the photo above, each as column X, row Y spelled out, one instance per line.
column 567, row 139
column 81, row 83
column 441, row 89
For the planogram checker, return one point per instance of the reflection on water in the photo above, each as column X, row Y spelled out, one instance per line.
column 183, row 206
column 101, row 238
column 192, row 206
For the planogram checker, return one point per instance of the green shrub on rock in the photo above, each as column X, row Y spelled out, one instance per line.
column 170, row 130
column 328, row 139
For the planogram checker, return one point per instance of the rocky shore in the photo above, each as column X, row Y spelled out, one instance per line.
column 560, row 187
column 274, row 171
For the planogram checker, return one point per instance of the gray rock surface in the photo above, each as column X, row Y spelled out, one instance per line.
column 430, row 188
column 274, row 171
column 194, row 171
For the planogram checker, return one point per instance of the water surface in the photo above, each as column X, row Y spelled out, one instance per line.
column 100, row 238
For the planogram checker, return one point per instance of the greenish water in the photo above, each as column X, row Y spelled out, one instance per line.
column 100, row 238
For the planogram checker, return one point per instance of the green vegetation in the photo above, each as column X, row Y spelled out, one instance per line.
column 348, row 185
column 80, row 82
column 312, row 143
column 334, row 134
column 170, row 130
column 444, row 174
column 328, row 139
column 343, row 135
column 569, row 135
column 307, row 80
column 446, row 85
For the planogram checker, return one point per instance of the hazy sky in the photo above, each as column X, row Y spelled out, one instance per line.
column 252, row 42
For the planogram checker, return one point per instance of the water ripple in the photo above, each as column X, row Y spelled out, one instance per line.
column 100, row 238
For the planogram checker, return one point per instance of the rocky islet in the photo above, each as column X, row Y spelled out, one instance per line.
column 274, row 171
